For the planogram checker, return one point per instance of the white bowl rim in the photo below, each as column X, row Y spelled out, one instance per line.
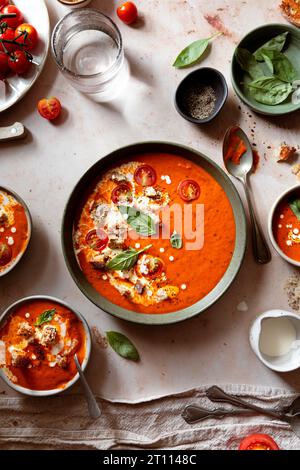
column 270, row 225
column 29, row 221
column 55, row 391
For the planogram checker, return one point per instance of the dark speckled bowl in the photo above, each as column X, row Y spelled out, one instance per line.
column 75, row 201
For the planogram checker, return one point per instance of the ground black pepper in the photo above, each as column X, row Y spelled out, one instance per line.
column 200, row 101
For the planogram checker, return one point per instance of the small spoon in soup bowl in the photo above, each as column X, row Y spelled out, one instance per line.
column 240, row 169
column 93, row 407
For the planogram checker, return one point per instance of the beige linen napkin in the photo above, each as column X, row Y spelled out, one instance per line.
column 62, row 422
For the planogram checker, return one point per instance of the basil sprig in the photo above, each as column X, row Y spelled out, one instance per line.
column 176, row 240
column 193, row 52
column 45, row 317
column 122, row 345
column 142, row 223
column 270, row 90
column 295, row 206
column 125, row 260
column 275, row 44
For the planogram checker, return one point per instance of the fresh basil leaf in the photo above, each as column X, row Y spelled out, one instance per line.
column 176, row 240
column 142, row 223
column 248, row 63
column 295, row 206
column 268, row 62
column 193, row 52
column 122, row 345
column 280, row 65
column 125, row 260
column 269, row 90
column 275, row 44
column 45, row 317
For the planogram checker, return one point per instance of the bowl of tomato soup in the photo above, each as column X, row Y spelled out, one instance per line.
column 39, row 336
column 154, row 233
column 15, row 229
column 284, row 225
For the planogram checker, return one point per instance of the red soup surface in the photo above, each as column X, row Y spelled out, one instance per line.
column 168, row 275
column 286, row 225
column 37, row 345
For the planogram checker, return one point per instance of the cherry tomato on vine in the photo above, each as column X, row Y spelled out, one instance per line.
column 19, row 62
column 258, row 442
column 15, row 21
column 8, row 34
column 49, row 108
column 127, row 12
column 4, row 67
column 3, row 3
column 28, row 36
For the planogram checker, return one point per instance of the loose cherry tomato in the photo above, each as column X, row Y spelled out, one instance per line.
column 28, row 36
column 150, row 267
column 127, row 12
column 121, row 193
column 5, row 254
column 97, row 239
column 49, row 108
column 9, row 35
column 19, row 62
column 145, row 175
column 14, row 21
column 258, row 442
column 188, row 190
column 4, row 67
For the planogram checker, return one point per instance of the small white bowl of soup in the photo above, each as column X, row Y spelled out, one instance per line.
column 39, row 336
column 284, row 225
column 15, row 229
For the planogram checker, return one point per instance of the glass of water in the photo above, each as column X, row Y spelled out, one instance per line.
column 87, row 47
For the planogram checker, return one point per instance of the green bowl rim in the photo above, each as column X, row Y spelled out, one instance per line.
column 237, row 88
column 195, row 309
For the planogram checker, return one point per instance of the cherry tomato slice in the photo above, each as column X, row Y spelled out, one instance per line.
column 258, row 442
column 49, row 108
column 121, row 193
column 189, row 190
column 19, row 62
column 14, row 21
column 5, row 254
column 127, row 12
column 145, row 175
column 4, row 67
column 97, row 239
column 9, row 35
column 151, row 267
column 27, row 36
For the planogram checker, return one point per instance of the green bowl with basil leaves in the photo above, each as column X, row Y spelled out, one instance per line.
column 264, row 67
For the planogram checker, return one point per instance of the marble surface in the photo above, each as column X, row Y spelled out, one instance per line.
column 214, row 347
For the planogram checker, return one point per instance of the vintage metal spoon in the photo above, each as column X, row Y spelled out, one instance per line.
column 194, row 413
column 216, row 394
column 261, row 250
column 93, row 407
column 14, row 132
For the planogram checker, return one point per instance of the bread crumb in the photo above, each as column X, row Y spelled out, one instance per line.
column 99, row 338
column 292, row 289
column 285, row 152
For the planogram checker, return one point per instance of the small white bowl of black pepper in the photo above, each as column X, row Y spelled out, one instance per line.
column 201, row 95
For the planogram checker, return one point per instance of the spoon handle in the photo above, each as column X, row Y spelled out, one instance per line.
column 93, row 407
column 193, row 413
column 261, row 250
column 216, row 394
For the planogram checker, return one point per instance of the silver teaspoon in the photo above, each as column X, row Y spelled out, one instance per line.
column 93, row 407
column 193, row 413
column 216, row 394
column 240, row 171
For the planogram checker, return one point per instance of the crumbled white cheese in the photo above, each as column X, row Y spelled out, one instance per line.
column 13, row 230
column 161, row 294
column 183, row 286
column 27, row 315
column 168, row 179
column 10, row 241
column 138, row 245
column 171, row 258
column 296, row 231
column 162, row 250
column 150, row 191
column 289, row 242
column 104, row 277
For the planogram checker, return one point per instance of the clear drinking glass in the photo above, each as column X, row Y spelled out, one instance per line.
column 87, row 47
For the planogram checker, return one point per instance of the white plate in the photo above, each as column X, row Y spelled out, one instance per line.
column 35, row 12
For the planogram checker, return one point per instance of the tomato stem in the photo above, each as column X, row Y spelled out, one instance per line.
column 8, row 15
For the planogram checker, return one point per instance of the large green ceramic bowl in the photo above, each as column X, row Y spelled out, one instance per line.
column 252, row 41
column 88, row 179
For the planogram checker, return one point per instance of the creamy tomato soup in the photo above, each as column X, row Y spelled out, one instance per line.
column 125, row 262
column 13, row 230
column 37, row 345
